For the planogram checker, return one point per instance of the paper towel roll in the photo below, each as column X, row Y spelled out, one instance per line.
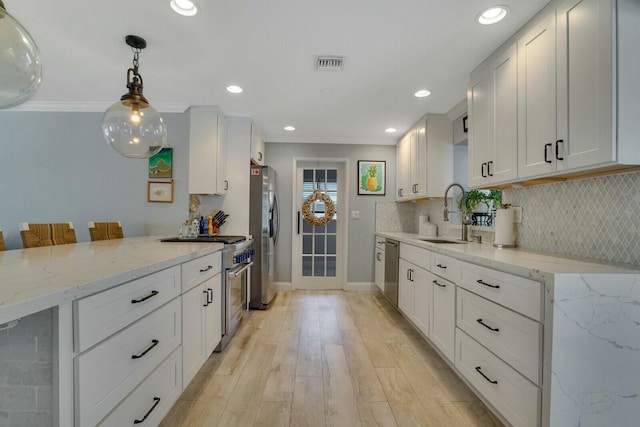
column 504, row 228
column 422, row 221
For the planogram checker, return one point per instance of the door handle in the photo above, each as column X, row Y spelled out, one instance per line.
column 489, row 168
column 482, row 170
column 560, row 141
column 546, row 146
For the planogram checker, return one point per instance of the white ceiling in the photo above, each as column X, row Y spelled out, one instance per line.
column 392, row 49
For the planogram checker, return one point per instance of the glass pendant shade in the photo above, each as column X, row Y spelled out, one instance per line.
column 132, row 126
column 20, row 64
column 134, row 131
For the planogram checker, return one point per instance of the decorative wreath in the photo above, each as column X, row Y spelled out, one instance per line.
column 329, row 210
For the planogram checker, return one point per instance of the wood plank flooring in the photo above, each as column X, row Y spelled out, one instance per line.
column 327, row 358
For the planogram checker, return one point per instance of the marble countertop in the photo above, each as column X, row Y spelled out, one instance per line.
column 35, row 279
column 536, row 265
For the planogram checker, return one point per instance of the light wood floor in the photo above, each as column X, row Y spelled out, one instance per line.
column 327, row 358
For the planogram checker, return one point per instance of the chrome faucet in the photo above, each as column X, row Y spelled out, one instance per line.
column 465, row 214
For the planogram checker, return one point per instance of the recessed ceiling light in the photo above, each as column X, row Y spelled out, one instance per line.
column 234, row 89
column 184, row 7
column 493, row 14
column 289, row 128
column 422, row 93
column 390, row 130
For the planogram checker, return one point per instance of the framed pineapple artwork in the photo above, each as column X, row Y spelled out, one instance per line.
column 372, row 178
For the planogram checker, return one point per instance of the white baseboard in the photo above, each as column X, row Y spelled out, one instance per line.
column 361, row 286
column 283, row 286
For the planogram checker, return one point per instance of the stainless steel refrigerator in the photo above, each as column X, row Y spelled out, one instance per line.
column 263, row 226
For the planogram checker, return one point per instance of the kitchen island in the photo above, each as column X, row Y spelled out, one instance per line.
column 543, row 339
column 47, row 284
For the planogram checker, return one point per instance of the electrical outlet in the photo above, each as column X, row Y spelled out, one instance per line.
column 517, row 214
column 355, row 214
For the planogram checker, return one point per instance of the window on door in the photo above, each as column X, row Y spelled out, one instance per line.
column 319, row 244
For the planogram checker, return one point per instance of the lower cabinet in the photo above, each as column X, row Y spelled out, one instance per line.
column 443, row 315
column 150, row 402
column 201, row 325
column 379, row 263
column 414, row 289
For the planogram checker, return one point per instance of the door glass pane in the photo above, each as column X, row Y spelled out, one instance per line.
column 332, row 175
column 319, row 245
column 320, row 174
column 307, row 175
column 331, row 244
column 306, row 227
column 331, row 266
column 319, row 230
column 306, row 266
column 318, row 266
column 306, row 244
column 332, row 226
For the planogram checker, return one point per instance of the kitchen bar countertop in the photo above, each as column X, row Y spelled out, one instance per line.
column 36, row 279
column 535, row 265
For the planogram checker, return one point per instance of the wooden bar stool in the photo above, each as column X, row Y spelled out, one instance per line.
column 35, row 235
column 2, row 247
column 105, row 230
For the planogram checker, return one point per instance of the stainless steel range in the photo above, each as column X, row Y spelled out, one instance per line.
column 237, row 259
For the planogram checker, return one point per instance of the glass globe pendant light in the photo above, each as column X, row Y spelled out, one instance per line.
column 20, row 66
column 131, row 126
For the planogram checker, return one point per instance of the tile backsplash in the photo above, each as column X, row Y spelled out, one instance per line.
column 596, row 218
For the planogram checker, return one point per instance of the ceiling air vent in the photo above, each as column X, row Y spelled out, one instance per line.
column 329, row 63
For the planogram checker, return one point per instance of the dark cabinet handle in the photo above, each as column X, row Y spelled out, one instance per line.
column 152, row 294
column 206, row 293
column 209, row 295
column 487, row 326
column 157, row 401
column 482, row 170
column 260, row 155
column 479, row 370
column 444, row 267
column 480, row 281
column 489, row 168
column 378, row 256
column 546, row 160
column 435, row 282
column 226, row 184
column 153, row 344
column 202, row 270
column 560, row 141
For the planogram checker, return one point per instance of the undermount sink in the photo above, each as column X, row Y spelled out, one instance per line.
column 436, row 240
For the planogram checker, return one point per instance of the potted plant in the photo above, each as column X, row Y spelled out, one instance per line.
column 482, row 201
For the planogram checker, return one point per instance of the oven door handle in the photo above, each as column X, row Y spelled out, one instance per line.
column 236, row 271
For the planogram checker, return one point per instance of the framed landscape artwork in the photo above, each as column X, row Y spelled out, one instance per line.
column 161, row 164
column 372, row 176
column 160, row 191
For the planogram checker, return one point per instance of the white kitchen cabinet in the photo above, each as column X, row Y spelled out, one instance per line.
column 406, row 288
column 202, row 331
column 442, row 323
column 257, row 145
column 207, row 151
column 422, row 298
column 424, row 156
column 379, row 263
column 414, row 283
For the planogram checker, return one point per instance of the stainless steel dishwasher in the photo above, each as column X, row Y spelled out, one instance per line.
column 391, row 256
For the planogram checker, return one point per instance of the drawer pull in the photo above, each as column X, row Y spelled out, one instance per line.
column 202, row 270
column 479, row 369
column 157, row 401
column 488, row 284
column 487, row 326
column 435, row 282
column 444, row 267
column 153, row 344
column 209, row 295
column 152, row 294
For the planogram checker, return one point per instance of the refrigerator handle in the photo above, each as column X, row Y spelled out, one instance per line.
column 275, row 218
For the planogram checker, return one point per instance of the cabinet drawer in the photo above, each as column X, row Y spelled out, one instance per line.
column 445, row 266
column 515, row 397
column 514, row 338
column 152, row 399
column 418, row 256
column 101, row 315
column 109, row 371
column 514, row 292
column 201, row 269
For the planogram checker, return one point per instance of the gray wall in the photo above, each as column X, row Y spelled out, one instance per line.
column 361, row 232
column 57, row 167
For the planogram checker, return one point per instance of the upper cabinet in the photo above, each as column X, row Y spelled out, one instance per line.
column 558, row 98
column 257, row 145
column 424, row 159
column 207, row 151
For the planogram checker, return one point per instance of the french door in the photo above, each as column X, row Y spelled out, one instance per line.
column 318, row 260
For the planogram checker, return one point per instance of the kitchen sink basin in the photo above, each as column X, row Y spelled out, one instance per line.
column 436, row 240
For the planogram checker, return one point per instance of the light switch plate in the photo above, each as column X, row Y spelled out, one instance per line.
column 355, row 214
column 517, row 214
